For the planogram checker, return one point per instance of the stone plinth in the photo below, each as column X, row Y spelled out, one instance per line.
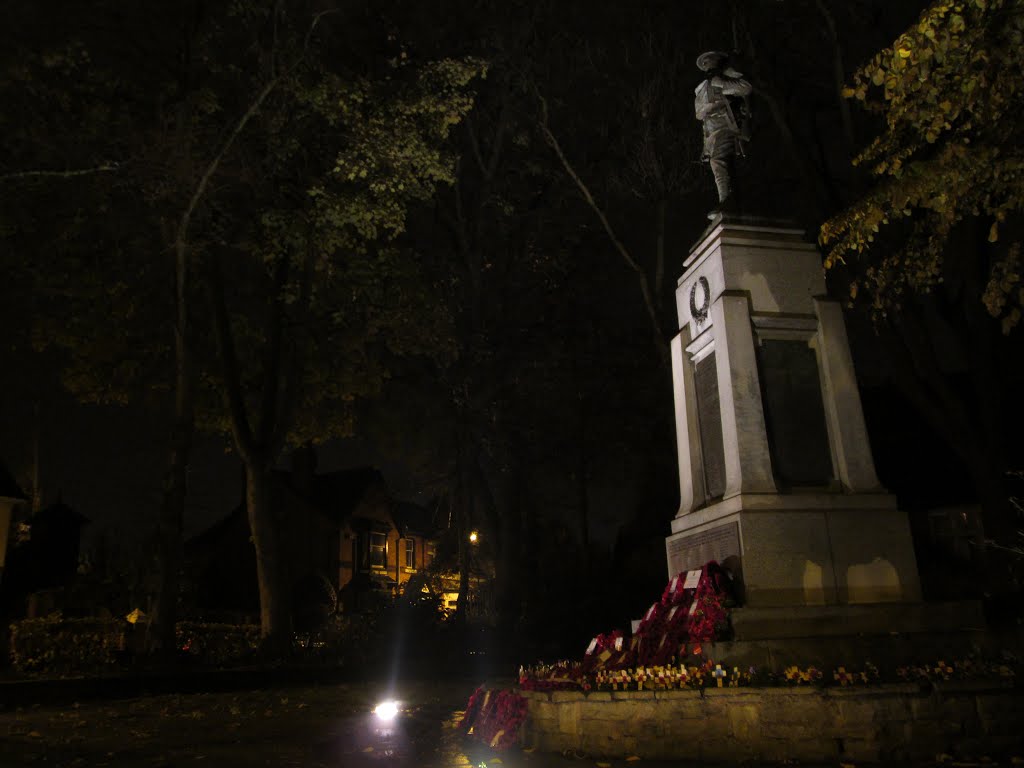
column 810, row 549
column 776, row 475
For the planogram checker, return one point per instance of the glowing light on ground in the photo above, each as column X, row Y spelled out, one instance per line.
column 386, row 710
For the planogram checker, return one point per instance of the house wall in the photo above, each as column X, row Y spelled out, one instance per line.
column 346, row 558
column 6, row 515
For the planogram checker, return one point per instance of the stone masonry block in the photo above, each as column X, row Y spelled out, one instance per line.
column 560, row 697
column 632, row 695
column 744, row 722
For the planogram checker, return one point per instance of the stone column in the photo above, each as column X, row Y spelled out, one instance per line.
column 691, row 472
column 748, row 464
column 855, row 466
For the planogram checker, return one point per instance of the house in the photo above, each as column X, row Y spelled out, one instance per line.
column 42, row 562
column 11, row 497
column 346, row 543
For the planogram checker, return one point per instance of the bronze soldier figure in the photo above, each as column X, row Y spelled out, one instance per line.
column 721, row 104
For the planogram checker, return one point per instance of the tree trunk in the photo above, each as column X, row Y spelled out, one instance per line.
column 464, row 500
column 160, row 639
column 271, row 572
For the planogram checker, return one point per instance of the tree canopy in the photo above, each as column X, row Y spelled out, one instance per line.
column 949, row 89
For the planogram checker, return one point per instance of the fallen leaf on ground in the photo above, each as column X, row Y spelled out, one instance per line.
column 632, row 759
column 604, row 765
column 367, row 749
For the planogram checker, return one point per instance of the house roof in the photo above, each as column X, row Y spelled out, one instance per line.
column 337, row 494
column 59, row 513
column 8, row 488
column 413, row 518
column 334, row 494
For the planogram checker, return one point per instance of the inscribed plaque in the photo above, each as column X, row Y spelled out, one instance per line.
column 691, row 552
column 794, row 414
column 709, row 418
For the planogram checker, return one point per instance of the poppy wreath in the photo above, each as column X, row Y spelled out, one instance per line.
column 680, row 618
column 686, row 616
column 707, row 614
column 473, row 706
column 602, row 650
column 563, row 676
column 498, row 719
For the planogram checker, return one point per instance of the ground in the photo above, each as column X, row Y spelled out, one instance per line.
column 323, row 726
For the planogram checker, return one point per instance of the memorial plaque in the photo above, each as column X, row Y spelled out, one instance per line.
column 794, row 414
column 692, row 552
column 709, row 417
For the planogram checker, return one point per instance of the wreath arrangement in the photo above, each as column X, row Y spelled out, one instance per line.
column 494, row 717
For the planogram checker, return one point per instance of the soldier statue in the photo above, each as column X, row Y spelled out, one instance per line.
column 721, row 104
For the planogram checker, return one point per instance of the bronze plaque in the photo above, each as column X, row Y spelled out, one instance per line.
column 794, row 413
column 709, row 418
column 719, row 544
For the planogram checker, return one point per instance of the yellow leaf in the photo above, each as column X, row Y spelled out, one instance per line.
column 367, row 749
column 904, row 53
column 848, row 92
column 632, row 759
column 993, row 233
column 604, row 765
column 878, row 77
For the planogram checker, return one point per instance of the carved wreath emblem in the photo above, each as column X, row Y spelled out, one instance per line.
column 700, row 313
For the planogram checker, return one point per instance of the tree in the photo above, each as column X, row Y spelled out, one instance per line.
column 924, row 248
column 949, row 89
column 261, row 157
column 335, row 162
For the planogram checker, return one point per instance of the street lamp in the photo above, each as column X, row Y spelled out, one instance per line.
column 474, row 537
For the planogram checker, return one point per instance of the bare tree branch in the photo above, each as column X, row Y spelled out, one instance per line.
column 38, row 174
column 838, row 73
column 645, row 286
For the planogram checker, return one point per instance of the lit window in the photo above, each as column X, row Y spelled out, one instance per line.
column 410, row 553
column 378, row 550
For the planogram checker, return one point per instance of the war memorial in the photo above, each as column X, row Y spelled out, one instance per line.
column 793, row 626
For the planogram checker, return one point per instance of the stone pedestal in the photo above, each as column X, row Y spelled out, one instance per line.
column 776, row 476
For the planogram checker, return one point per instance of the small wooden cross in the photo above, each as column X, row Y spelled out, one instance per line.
column 719, row 674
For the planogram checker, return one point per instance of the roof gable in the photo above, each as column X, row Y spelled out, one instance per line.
column 8, row 487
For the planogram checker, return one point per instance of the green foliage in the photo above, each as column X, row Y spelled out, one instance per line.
column 58, row 646
column 218, row 644
column 54, row 645
column 373, row 147
column 949, row 89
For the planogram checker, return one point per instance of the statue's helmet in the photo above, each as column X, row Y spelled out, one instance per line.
column 711, row 60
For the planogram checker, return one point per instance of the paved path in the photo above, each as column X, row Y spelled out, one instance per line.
column 314, row 726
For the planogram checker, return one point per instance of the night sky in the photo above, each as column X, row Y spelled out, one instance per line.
column 554, row 347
